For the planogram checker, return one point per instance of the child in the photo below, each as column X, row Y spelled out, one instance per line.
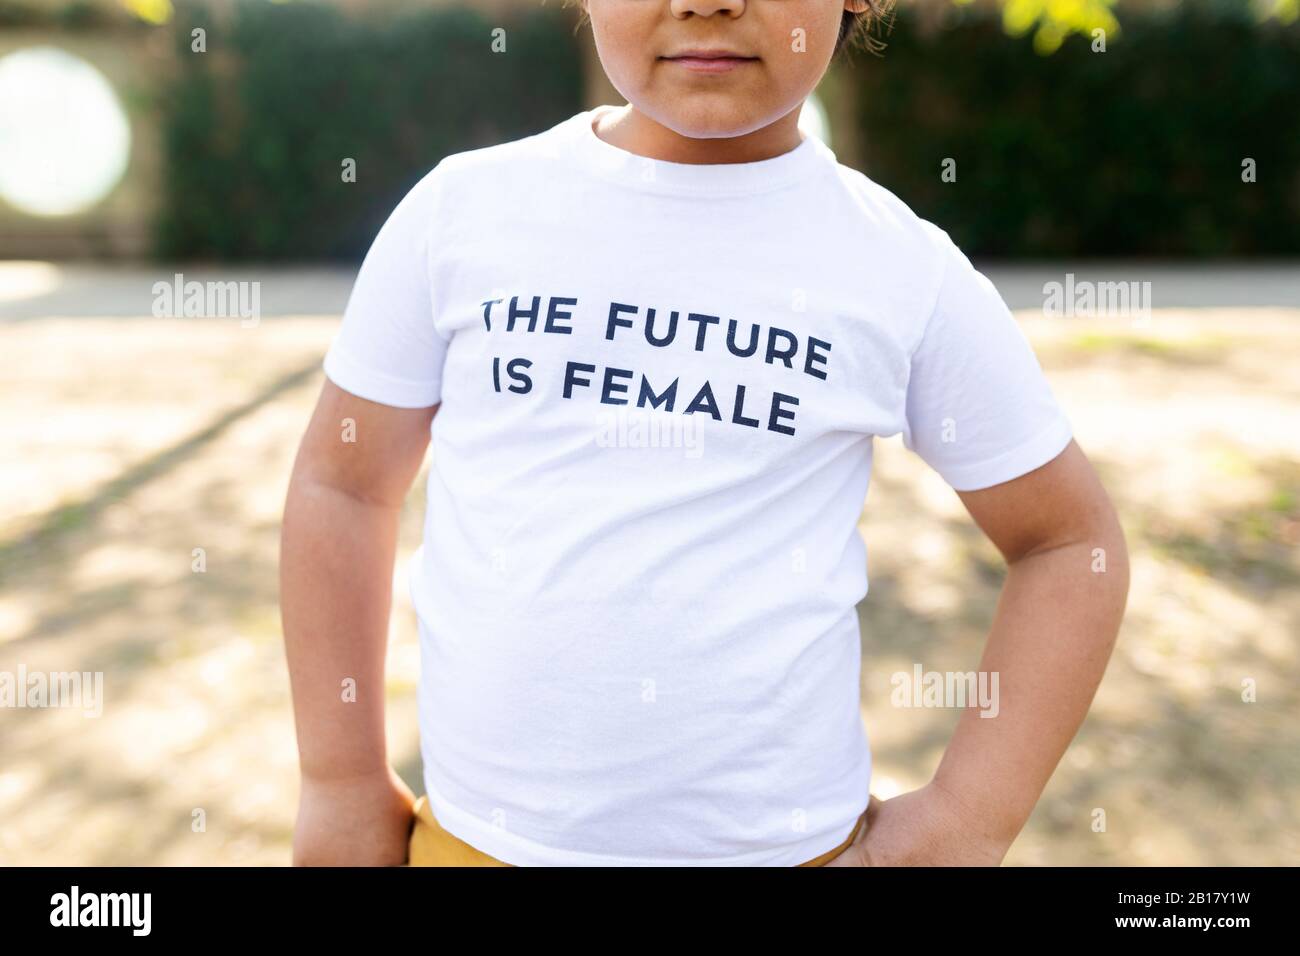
column 659, row 340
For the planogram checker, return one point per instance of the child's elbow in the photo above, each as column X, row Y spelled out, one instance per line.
column 1110, row 557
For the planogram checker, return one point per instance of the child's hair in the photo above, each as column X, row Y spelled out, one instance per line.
column 855, row 28
column 859, row 27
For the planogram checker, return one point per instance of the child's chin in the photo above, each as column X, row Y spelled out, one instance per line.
column 711, row 116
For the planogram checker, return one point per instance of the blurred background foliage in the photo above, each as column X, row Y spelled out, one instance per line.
column 1067, row 141
column 256, row 134
column 1053, row 20
column 1134, row 151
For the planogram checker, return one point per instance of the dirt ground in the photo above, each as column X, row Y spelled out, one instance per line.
column 134, row 441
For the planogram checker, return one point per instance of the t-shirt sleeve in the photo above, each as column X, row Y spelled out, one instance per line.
column 387, row 349
column 979, row 409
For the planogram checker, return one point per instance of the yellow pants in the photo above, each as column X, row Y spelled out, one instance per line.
column 431, row 845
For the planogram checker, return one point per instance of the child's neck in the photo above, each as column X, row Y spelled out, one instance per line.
column 631, row 130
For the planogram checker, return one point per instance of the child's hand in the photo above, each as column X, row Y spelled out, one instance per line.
column 919, row 828
column 354, row 821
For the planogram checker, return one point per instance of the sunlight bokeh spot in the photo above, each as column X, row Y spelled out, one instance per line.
column 64, row 138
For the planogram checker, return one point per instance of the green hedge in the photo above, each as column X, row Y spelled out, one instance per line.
column 1135, row 151
column 256, row 129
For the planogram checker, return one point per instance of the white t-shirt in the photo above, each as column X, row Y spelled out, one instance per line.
column 659, row 383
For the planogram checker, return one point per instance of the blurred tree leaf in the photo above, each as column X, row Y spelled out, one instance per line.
column 1284, row 10
column 1054, row 20
column 151, row 11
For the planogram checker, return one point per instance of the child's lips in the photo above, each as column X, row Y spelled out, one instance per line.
column 711, row 64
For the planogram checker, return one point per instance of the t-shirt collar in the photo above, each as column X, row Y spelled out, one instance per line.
column 611, row 162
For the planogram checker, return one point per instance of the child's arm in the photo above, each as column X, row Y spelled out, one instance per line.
column 1052, row 635
column 338, row 547
column 1053, row 632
